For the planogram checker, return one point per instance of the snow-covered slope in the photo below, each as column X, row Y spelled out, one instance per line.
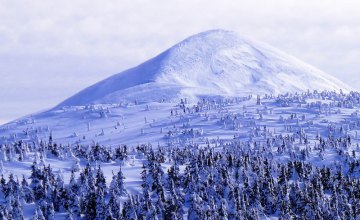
column 170, row 149
column 215, row 62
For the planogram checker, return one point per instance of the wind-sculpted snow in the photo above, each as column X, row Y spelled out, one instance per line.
column 211, row 63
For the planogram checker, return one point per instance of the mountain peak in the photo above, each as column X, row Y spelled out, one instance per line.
column 211, row 63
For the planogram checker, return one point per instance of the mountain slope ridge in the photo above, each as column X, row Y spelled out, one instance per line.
column 215, row 62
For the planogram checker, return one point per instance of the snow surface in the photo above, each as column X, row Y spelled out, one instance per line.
column 133, row 106
column 143, row 105
column 166, row 124
column 215, row 62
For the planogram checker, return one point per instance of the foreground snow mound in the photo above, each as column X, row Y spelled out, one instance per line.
column 212, row 63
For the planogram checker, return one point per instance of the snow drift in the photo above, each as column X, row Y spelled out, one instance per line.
column 212, row 63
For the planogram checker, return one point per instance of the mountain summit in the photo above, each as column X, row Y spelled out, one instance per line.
column 211, row 63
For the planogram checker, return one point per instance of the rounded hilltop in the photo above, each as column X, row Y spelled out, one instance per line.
column 211, row 63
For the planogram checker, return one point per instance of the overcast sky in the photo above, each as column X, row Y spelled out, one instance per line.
column 51, row 49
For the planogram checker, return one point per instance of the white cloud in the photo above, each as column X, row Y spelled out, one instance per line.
column 51, row 49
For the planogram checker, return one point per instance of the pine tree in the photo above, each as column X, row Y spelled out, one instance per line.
column 174, row 174
column 129, row 210
column 114, row 205
column 3, row 214
column 100, row 204
column 100, row 182
column 90, row 207
column 74, row 203
column 223, row 211
column 194, row 211
column 17, row 211
column 27, row 192
column 151, row 213
column 73, row 185
column 36, row 182
column 50, row 212
column 117, row 184
column 38, row 215
column 108, row 214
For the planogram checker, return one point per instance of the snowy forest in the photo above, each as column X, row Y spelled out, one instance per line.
column 305, row 167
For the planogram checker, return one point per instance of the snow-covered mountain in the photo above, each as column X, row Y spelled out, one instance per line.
column 216, row 62
column 132, row 146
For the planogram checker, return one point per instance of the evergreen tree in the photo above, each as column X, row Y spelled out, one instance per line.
column 114, row 205
column 17, row 211
column 38, row 215
column 100, row 204
column 129, row 210
column 27, row 191
column 90, row 206
column 100, row 182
